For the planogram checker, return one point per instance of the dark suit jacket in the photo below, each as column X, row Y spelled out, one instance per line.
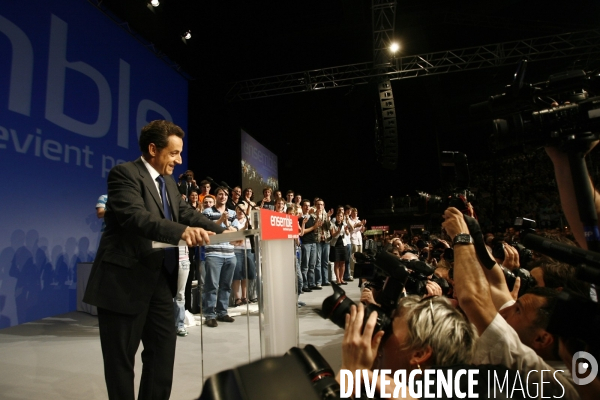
column 183, row 189
column 126, row 267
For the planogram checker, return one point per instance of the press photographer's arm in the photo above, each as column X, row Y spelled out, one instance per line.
column 511, row 334
column 470, row 284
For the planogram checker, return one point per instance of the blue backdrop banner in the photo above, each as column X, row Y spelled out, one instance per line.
column 75, row 90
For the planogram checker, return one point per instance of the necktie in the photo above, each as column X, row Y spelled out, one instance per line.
column 163, row 193
column 171, row 253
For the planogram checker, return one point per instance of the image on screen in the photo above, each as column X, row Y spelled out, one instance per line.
column 259, row 166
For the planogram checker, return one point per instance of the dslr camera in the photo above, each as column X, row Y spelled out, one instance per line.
column 391, row 277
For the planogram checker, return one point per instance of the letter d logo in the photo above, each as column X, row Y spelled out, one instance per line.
column 578, row 369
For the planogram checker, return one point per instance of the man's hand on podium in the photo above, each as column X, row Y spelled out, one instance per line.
column 196, row 236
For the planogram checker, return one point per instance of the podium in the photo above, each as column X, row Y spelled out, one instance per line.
column 278, row 297
column 273, row 235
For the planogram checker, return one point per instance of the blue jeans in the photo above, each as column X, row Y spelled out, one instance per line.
column 299, row 278
column 179, row 303
column 240, row 265
column 217, row 286
column 347, row 269
column 309, row 258
column 322, row 266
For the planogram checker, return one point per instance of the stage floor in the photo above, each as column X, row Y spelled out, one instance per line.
column 60, row 357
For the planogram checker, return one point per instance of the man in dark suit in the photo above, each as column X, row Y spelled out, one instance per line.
column 187, row 183
column 131, row 283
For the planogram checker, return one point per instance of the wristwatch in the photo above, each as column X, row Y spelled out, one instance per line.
column 462, row 238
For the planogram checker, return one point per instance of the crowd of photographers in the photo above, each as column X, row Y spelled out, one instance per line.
column 468, row 299
column 446, row 301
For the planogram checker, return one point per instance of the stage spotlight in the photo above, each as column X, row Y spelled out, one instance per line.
column 394, row 47
column 187, row 35
column 155, row 3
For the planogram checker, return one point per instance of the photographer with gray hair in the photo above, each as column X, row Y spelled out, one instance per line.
column 425, row 333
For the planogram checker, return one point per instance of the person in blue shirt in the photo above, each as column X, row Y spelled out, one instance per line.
column 220, row 264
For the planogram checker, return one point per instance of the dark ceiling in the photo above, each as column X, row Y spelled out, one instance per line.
column 324, row 140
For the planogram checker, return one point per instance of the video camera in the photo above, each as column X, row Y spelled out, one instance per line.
column 551, row 112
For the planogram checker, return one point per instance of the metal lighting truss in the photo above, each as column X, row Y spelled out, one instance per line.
column 383, row 14
column 575, row 44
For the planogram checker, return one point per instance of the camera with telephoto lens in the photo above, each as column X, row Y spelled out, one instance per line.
column 525, row 255
column 300, row 374
column 336, row 306
column 389, row 276
column 318, row 370
column 527, row 281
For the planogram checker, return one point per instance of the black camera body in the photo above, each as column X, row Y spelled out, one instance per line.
column 525, row 255
column 300, row 374
column 336, row 306
column 527, row 281
column 387, row 274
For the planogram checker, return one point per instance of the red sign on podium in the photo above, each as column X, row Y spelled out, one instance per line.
column 275, row 225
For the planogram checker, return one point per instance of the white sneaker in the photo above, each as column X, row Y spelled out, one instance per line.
column 182, row 332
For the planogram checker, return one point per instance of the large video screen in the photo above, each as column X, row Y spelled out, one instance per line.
column 259, row 167
column 75, row 90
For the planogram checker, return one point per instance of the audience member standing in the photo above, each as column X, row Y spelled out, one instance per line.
column 245, row 268
column 205, row 190
column 220, row 264
column 248, row 198
column 338, row 254
column 234, row 199
column 179, row 303
column 101, row 209
column 323, row 237
column 188, row 184
column 308, row 224
column 267, row 202
column 357, row 227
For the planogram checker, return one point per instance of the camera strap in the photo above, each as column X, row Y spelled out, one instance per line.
column 480, row 249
